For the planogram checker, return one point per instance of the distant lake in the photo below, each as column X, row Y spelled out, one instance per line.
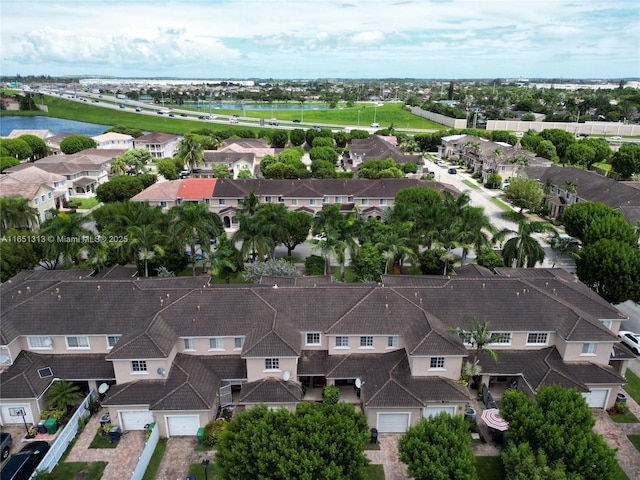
column 56, row 125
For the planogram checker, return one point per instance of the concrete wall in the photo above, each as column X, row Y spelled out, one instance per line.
column 589, row 128
column 436, row 117
column 421, row 367
column 256, row 370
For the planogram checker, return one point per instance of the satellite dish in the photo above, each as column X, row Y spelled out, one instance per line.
column 161, row 371
column 286, row 375
column 103, row 388
column 358, row 383
column 47, row 342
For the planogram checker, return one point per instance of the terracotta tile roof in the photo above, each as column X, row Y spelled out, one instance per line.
column 196, row 188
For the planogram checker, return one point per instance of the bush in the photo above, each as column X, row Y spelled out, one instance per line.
column 314, row 265
column 330, row 395
column 621, row 408
column 494, row 181
column 212, row 432
column 57, row 414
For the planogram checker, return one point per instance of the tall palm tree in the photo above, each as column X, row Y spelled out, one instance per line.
column 16, row 212
column 190, row 152
column 255, row 236
column 340, row 232
column 396, row 245
column 70, row 234
column 118, row 166
column 522, row 249
column 249, row 205
column 145, row 242
column 63, row 394
column 473, row 227
column 192, row 222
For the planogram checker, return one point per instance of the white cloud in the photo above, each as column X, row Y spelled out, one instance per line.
column 368, row 38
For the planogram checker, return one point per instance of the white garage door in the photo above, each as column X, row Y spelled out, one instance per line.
column 182, row 425
column 16, row 414
column 393, row 422
column 435, row 410
column 596, row 398
column 135, row 419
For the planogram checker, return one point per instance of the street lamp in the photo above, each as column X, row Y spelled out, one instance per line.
column 205, row 464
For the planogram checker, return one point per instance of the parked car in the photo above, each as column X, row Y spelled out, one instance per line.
column 122, row 106
column 296, row 121
column 5, row 445
column 431, row 174
column 138, row 109
column 452, row 171
column 21, row 465
column 441, row 163
column 319, row 236
column 631, row 340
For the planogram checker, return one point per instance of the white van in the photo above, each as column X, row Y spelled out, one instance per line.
column 375, row 125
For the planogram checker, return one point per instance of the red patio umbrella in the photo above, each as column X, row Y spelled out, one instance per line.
column 492, row 418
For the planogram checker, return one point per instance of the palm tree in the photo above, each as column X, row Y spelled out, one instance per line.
column 144, row 242
column 16, row 212
column 190, row 152
column 249, row 205
column 522, row 249
column 255, row 237
column 63, row 394
column 395, row 246
column 118, row 166
column 72, row 237
column 192, row 222
column 340, row 231
column 472, row 234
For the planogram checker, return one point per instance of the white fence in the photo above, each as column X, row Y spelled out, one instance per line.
column 65, row 437
column 145, row 458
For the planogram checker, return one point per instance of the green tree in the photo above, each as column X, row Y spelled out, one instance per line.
column 493, row 181
column 135, row 160
column 438, row 448
column 70, row 235
column 15, row 148
column 600, row 147
column 63, row 394
column 611, row 227
column 322, row 142
column 16, row 212
column 317, row 441
column 524, row 193
column 581, row 155
column 328, row 154
column 144, row 241
column 38, row 146
column 244, row 173
column 626, row 161
column 557, row 424
column 396, row 245
column 279, row 139
column 8, row 162
column 522, row 249
column 296, row 229
column 16, row 255
column 76, row 143
column 490, row 259
column 226, row 258
column 578, row 216
column 431, row 261
column 560, row 139
column 479, row 337
column 220, row 170
column 367, row 263
column 612, row 269
column 193, row 223
column 190, row 152
column 119, row 189
column 546, row 149
column 297, row 137
column 167, row 168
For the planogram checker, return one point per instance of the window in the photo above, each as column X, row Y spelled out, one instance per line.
column 437, row 362
column 77, row 342
column 35, row 200
column 392, row 341
column 383, row 201
column 538, row 338
column 313, row 202
column 39, row 342
column 366, row 341
column 349, row 199
column 267, row 199
column 325, row 199
column 365, row 201
column 138, row 366
column 221, row 201
column 215, row 343
column 280, row 200
column 313, row 338
column 42, row 197
column 294, row 202
column 272, row 364
column 588, row 349
column 49, row 195
column 238, row 342
column 607, row 323
column 163, row 204
column 337, row 200
column 501, row 338
column 342, row 342
column 188, row 344
column 112, row 340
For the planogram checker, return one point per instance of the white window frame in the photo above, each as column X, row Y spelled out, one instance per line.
column 337, row 199
column 342, row 341
column 313, row 339
column 364, row 202
column 221, row 201
column 436, row 363
column 189, row 345
column 39, row 342
column 216, row 343
column 607, row 323
column 271, row 364
column 538, row 336
column 294, row 202
column 589, row 349
column 81, row 345
column 504, row 341
column 313, row 202
column 110, row 342
column 383, row 201
column 366, row 341
column 139, row 367
column 393, row 341
column 237, row 340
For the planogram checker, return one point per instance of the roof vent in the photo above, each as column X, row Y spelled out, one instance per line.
column 19, row 292
column 483, row 285
column 275, row 285
column 57, row 290
column 517, row 294
column 29, row 289
column 167, row 295
column 98, row 287
column 59, row 297
column 198, row 307
column 161, row 302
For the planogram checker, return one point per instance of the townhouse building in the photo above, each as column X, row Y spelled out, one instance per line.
column 39, row 195
column 34, row 174
column 114, row 140
column 159, row 145
column 177, row 350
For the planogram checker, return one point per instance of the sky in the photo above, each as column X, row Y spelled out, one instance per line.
column 306, row 39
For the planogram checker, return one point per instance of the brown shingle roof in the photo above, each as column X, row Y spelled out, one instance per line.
column 271, row 390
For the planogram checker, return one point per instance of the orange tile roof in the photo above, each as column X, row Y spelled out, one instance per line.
column 196, row 188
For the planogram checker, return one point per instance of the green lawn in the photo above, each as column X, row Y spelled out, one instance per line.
column 102, row 441
column 156, row 458
column 501, row 204
column 78, row 470
column 471, row 184
column 490, row 468
column 86, row 203
column 635, row 439
column 386, row 115
column 374, row 472
column 633, row 385
column 625, row 418
column 619, row 474
column 197, row 470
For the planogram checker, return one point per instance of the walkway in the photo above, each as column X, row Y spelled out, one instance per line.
column 178, row 456
column 121, row 461
column 388, row 457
